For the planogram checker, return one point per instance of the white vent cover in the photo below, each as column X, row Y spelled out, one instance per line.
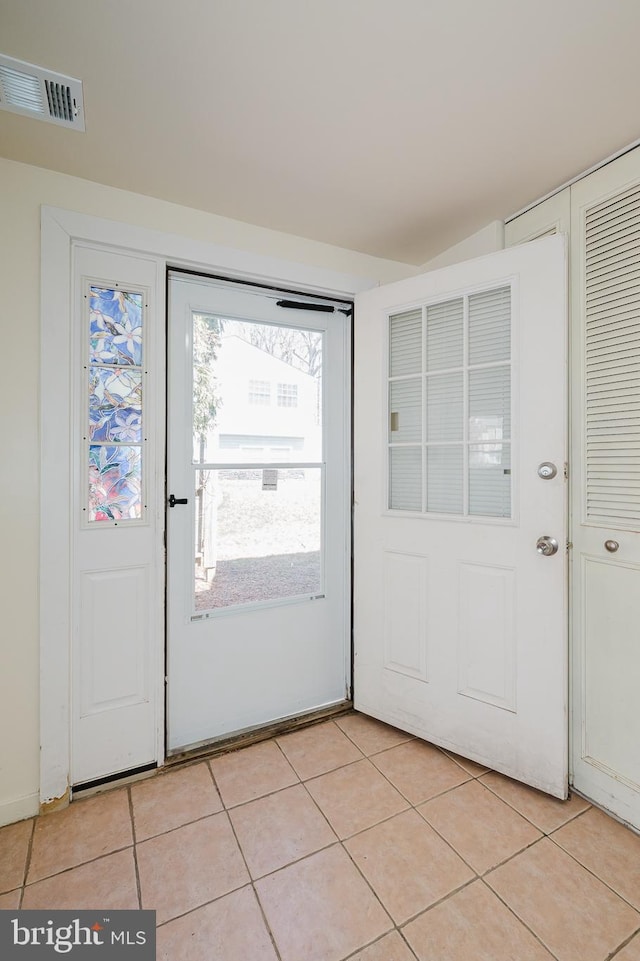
column 41, row 94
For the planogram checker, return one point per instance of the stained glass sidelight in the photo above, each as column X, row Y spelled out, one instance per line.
column 114, row 380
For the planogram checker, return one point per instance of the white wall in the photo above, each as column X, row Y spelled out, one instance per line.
column 485, row 241
column 23, row 189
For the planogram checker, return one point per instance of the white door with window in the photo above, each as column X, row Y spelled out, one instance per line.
column 460, row 597
column 258, row 527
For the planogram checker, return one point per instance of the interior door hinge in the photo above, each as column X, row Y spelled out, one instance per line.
column 566, row 471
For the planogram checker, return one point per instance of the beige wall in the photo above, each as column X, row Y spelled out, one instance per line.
column 485, row 241
column 23, row 189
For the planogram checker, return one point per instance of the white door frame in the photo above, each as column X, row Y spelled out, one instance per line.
column 60, row 230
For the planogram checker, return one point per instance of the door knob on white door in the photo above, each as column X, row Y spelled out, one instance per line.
column 547, row 545
column 611, row 546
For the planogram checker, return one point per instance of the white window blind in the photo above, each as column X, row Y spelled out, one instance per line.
column 612, row 360
column 450, row 406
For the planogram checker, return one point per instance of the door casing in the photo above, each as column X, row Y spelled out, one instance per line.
column 60, row 230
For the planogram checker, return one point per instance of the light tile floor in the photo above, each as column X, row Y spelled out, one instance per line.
column 344, row 840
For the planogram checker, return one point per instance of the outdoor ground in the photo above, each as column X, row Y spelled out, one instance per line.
column 267, row 541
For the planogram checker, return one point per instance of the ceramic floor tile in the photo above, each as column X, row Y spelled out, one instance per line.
column 252, row 772
column 369, row 735
column 389, row 948
column 109, row 883
column 483, row 829
column 355, row 797
column 471, row 767
column 407, row 864
column 169, row 800
column 318, row 749
column 10, row 901
column 230, row 929
column 85, row 830
column 575, row 916
column 473, row 924
column 320, row 909
column 419, row 770
column 276, row 830
column 608, row 849
column 631, row 952
column 14, row 845
column 190, row 866
column 546, row 812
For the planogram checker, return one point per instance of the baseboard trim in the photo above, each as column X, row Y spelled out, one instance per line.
column 19, row 809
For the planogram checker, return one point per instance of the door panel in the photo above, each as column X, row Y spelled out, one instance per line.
column 460, row 624
column 258, row 581
column 116, row 582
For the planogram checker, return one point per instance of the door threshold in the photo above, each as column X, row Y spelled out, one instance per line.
column 254, row 735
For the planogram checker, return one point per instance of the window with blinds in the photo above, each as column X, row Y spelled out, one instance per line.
column 450, row 406
column 612, row 360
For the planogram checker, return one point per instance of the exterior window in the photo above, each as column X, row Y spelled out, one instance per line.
column 287, row 395
column 260, row 392
column 114, row 439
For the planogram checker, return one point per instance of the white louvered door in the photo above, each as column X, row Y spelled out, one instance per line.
column 605, row 257
column 460, row 624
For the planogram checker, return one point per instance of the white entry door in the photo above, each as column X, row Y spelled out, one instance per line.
column 460, row 620
column 258, row 517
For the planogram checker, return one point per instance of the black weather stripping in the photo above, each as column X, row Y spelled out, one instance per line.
column 322, row 308
column 299, row 305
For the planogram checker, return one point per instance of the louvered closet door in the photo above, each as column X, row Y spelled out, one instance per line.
column 606, row 485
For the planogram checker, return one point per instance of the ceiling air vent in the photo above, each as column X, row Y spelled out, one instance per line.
column 35, row 92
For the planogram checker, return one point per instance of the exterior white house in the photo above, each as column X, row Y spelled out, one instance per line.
column 269, row 409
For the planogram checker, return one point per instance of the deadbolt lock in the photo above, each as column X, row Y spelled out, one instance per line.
column 547, row 470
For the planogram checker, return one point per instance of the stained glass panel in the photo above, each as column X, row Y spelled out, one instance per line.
column 115, row 489
column 115, row 327
column 115, row 404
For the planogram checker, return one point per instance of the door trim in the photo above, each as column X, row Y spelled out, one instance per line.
column 61, row 230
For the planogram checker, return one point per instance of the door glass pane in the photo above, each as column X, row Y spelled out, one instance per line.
column 490, row 404
column 257, row 536
column 445, row 326
column 490, row 479
column 445, row 466
column 405, row 478
column 490, row 326
column 445, row 407
column 405, row 406
column 257, row 392
column 405, row 343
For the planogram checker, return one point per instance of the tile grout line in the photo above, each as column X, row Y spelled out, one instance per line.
column 27, row 863
column 621, row 947
column 135, row 847
column 517, row 917
column 596, row 876
column 573, row 817
column 80, row 864
column 253, row 888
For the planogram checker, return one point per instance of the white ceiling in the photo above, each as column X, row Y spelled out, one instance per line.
column 394, row 127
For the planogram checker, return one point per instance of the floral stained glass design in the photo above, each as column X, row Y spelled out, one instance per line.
column 115, row 475
column 116, row 327
column 115, row 404
column 115, row 432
